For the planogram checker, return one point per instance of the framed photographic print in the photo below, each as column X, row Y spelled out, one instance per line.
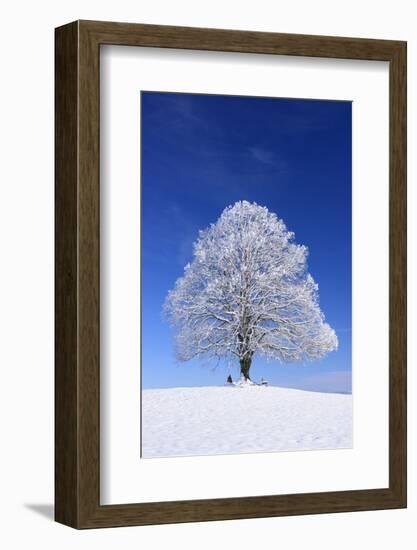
column 230, row 274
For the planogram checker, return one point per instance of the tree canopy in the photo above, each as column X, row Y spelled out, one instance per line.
column 247, row 291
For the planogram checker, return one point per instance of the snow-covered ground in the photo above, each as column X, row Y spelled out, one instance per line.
column 228, row 420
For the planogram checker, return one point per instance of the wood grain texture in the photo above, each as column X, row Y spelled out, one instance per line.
column 398, row 274
column 78, row 285
column 66, row 236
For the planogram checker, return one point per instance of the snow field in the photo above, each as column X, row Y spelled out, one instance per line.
column 230, row 420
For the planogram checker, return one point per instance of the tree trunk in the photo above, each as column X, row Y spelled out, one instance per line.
column 245, row 366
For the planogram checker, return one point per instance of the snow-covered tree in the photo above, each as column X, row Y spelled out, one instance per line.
column 246, row 292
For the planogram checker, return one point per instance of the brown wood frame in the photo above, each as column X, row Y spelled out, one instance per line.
column 77, row 373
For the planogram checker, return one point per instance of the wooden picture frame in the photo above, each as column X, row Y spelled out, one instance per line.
column 77, row 372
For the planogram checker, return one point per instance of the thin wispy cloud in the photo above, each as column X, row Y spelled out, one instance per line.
column 177, row 111
column 324, row 381
column 333, row 382
column 185, row 232
column 267, row 157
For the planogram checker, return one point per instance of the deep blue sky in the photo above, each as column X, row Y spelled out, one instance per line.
column 201, row 153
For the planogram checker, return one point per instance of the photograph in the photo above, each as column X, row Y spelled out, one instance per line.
column 245, row 274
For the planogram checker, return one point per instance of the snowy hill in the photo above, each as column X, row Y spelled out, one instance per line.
column 230, row 420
